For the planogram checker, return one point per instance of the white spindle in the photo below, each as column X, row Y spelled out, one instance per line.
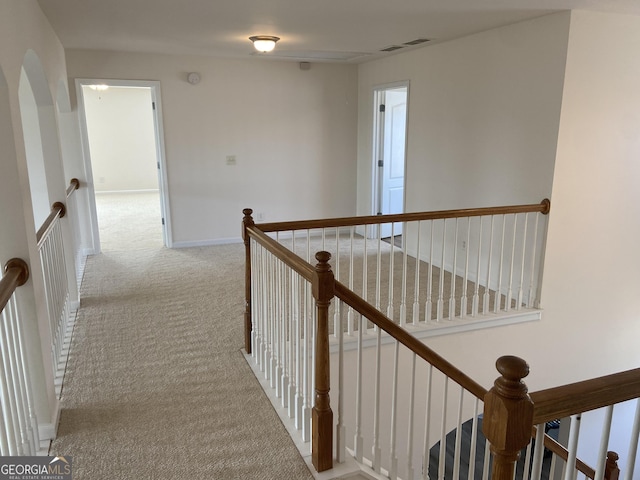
column 378, row 274
column 376, row 450
column 403, row 299
column 365, row 272
column 416, row 291
column 633, row 445
column 476, row 293
column 498, row 300
column 452, row 296
column 350, row 316
column 574, row 432
column 465, row 280
column 552, row 469
column 427, row 426
column 393, row 460
column 485, row 300
column 306, row 377
column 538, row 454
column 443, row 430
column 474, row 441
column 341, row 436
column 337, row 321
column 358, row 439
column 412, row 391
column 524, row 257
column 390, row 309
column 429, row 302
column 527, row 462
column 604, row 442
column 486, row 461
column 458, row 444
column 443, row 260
column 512, row 261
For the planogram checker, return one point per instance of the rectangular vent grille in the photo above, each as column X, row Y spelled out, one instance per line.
column 392, row 48
column 417, row 41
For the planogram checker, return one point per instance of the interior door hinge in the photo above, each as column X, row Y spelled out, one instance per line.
column 163, row 221
column 381, row 163
column 153, row 105
column 382, row 108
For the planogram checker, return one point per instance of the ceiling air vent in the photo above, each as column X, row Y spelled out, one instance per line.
column 418, row 41
column 392, row 48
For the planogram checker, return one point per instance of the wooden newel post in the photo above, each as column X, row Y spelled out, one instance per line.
column 322, row 416
column 508, row 416
column 247, row 221
column 611, row 470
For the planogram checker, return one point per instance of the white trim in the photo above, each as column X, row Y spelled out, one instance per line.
column 207, row 243
column 116, row 192
column 163, row 184
column 443, row 327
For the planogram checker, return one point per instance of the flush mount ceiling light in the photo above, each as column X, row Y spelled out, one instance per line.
column 99, row 87
column 264, row 43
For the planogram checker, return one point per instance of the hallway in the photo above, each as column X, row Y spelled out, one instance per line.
column 156, row 384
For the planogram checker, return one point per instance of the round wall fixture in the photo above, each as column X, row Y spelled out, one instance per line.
column 193, row 78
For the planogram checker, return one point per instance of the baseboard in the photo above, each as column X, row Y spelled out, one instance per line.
column 207, row 243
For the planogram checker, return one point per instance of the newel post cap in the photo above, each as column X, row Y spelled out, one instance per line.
column 508, row 409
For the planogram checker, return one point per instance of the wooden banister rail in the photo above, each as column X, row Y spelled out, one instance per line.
column 559, row 402
column 405, row 338
column 542, row 207
column 16, row 274
column 74, row 184
column 58, row 210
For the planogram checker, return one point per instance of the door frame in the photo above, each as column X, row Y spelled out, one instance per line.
column 377, row 144
column 163, row 184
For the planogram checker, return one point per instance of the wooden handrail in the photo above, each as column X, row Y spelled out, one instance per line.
column 405, row 338
column 542, row 207
column 305, row 269
column 58, row 210
column 16, row 274
column 559, row 402
column 74, row 184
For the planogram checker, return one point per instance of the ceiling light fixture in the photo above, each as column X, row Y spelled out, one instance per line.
column 99, row 87
column 264, row 43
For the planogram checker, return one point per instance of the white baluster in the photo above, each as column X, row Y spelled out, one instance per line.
column 403, row 299
column 604, row 442
column 633, row 445
column 498, row 300
column 390, row 309
column 429, row 304
column 337, row 322
column 440, row 303
column 476, row 293
column 524, row 256
column 527, row 462
column 412, row 389
column 487, row 461
column 358, row 439
column 474, row 441
column 341, row 432
column 306, row 379
column 465, row 280
column 443, row 431
column 376, row 451
column 574, row 432
column 393, row 457
column 416, row 291
column 427, row 426
column 511, row 263
column 350, row 315
column 378, row 268
column 538, row 454
column 458, row 445
column 452, row 297
column 485, row 300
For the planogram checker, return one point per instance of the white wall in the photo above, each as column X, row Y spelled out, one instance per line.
column 483, row 116
column 293, row 134
column 121, row 138
column 25, row 35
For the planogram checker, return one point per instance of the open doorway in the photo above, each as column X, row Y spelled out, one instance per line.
column 390, row 138
column 124, row 159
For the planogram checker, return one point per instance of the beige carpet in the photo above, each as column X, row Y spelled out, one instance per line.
column 156, row 385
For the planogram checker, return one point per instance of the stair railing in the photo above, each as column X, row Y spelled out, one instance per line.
column 287, row 332
column 18, row 422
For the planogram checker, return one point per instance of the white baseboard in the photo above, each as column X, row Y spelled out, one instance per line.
column 207, row 243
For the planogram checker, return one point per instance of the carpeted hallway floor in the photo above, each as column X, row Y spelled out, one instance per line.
column 156, row 384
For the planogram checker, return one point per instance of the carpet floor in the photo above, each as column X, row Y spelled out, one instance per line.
column 156, row 384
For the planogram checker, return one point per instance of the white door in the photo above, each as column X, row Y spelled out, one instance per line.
column 391, row 146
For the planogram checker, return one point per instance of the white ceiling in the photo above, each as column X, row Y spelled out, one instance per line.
column 315, row 30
